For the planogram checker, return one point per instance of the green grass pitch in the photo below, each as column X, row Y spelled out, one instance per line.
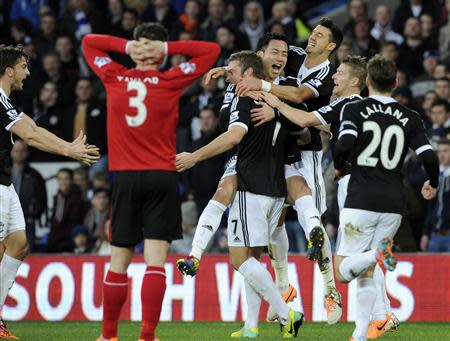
column 203, row 331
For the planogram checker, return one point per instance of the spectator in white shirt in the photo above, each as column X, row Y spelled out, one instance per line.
column 382, row 29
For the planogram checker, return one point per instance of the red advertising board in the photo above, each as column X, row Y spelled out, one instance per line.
column 69, row 287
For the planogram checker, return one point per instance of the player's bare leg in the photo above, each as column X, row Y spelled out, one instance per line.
column 115, row 291
column 153, row 286
column 208, row 224
column 319, row 247
column 278, row 252
column 16, row 248
column 260, row 280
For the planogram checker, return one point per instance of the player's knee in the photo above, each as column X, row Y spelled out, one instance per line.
column 225, row 191
column 368, row 273
column 339, row 277
column 297, row 187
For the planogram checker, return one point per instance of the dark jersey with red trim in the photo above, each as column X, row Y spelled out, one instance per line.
column 143, row 105
column 383, row 130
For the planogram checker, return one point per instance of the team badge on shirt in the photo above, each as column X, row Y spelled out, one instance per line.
column 102, row 61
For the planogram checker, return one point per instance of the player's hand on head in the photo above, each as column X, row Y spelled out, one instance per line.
column 215, row 73
column 152, row 49
column 79, row 150
column 246, row 85
column 270, row 99
column 136, row 51
column 262, row 114
column 428, row 192
column 184, row 161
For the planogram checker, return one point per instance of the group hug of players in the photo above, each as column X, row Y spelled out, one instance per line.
column 277, row 101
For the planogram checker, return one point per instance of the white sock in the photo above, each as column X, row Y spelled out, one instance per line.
column 8, row 271
column 278, row 251
column 365, row 294
column 253, row 306
column 326, row 266
column 261, row 281
column 307, row 214
column 207, row 225
column 382, row 304
column 351, row 267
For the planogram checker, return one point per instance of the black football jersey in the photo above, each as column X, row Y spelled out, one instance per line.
column 384, row 130
column 330, row 114
column 261, row 153
column 8, row 117
column 318, row 79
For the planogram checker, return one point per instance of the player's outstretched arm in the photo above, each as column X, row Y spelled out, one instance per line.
column 299, row 117
column 219, row 145
column 42, row 139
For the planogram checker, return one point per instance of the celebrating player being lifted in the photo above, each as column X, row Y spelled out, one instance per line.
column 374, row 138
column 142, row 121
column 13, row 70
column 311, row 72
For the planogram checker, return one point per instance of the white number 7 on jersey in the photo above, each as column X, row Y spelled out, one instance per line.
column 138, row 103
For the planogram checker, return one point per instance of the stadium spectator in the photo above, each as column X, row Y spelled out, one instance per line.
column 227, row 39
column 44, row 38
column 253, row 24
column 190, row 19
column 20, row 30
column 357, row 10
column 100, row 180
column 189, row 218
column 115, row 8
column 429, row 33
column 428, row 100
column 440, row 71
column 344, row 50
column 30, row 187
column 280, row 14
column 442, row 88
column 444, row 36
column 440, row 120
column 382, row 29
column 412, row 49
column 436, row 237
column 412, row 9
column 425, row 81
column 81, row 179
column 68, row 211
column 65, row 48
column 103, row 246
column 128, row 22
column 203, row 178
column 27, row 9
column 80, row 238
column 163, row 12
column 96, row 217
column 364, row 45
column 217, row 16
column 88, row 115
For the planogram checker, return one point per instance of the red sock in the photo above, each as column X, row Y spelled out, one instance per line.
column 152, row 294
column 115, row 291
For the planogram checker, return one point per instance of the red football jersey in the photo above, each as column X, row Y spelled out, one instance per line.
column 143, row 105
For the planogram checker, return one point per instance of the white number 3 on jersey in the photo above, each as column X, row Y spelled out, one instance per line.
column 138, row 103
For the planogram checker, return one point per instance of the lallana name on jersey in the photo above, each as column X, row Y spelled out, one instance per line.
column 151, row 80
column 387, row 111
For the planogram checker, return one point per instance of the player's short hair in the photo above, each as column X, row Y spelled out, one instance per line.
column 151, row 31
column 439, row 102
column 10, row 55
column 249, row 59
column 336, row 33
column 358, row 69
column 265, row 40
column 382, row 73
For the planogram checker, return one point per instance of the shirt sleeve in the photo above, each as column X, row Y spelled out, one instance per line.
column 8, row 114
column 349, row 121
column 203, row 56
column 296, row 56
column 95, row 49
column 418, row 140
column 321, row 84
column 240, row 112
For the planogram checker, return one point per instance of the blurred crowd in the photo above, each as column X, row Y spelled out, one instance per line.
column 65, row 97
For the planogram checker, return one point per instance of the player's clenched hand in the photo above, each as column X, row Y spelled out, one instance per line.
column 428, row 192
column 262, row 114
column 185, row 161
column 270, row 99
column 136, row 51
column 215, row 73
column 248, row 84
column 79, row 150
column 153, row 49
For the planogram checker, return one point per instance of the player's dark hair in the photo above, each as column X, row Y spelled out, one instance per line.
column 382, row 73
column 439, row 102
column 151, row 31
column 336, row 33
column 265, row 40
column 443, row 141
column 249, row 59
column 10, row 55
column 358, row 69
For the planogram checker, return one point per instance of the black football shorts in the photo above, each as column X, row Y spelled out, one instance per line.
column 145, row 205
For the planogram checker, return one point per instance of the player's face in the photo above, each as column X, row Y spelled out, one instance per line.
column 234, row 72
column 342, row 79
column 275, row 58
column 20, row 73
column 319, row 40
